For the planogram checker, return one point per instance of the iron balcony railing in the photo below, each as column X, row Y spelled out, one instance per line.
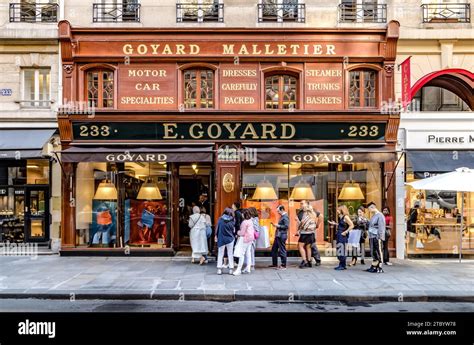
column 446, row 13
column 363, row 13
column 200, row 13
column 281, row 12
column 32, row 12
column 112, row 13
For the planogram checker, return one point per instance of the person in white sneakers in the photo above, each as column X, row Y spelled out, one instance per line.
column 246, row 238
column 225, row 240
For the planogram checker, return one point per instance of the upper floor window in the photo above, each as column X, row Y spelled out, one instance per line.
column 100, row 88
column 116, row 11
column 446, row 12
column 363, row 88
column 199, row 89
column 36, row 87
column 38, row 11
column 281, row 10
column 281, row 92
column 371, row 11
column 200, row 11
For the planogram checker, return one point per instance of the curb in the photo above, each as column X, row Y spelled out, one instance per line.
column 238, row 296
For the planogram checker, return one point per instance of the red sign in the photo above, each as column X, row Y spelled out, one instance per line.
column 406, row 82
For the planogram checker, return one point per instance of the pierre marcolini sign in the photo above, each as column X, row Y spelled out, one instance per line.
column 228, row 131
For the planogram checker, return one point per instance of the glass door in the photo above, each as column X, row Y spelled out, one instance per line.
column 37, row 214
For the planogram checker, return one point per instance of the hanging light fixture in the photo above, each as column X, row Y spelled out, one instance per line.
column 264, row 190
column 106, row 191
column 302, row 191
column 351, row 190
column 149, row 189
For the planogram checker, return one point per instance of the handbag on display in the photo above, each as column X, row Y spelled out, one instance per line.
column 419, row 244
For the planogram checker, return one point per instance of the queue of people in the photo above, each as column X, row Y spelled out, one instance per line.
column 238, row 229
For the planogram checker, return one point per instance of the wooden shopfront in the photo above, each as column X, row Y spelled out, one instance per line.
column 206, row 116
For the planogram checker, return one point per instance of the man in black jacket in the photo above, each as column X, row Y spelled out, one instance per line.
column 281, row 235
column 238, row 216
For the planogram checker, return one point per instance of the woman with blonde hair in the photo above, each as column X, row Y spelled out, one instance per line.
column 197, row 235
column 306, row 233
column 344, row 226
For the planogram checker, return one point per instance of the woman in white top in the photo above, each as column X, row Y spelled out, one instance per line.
column 197, row 235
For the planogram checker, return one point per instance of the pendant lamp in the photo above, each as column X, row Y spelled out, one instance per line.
column 265, row 190
column 351, row 190
column 106, row 191
column 149, row 190
column 302, row 191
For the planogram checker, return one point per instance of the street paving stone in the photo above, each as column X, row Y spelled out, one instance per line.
column 177, row 277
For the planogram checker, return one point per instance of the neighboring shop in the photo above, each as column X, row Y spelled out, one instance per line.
column 25, row 185
column 434, row 217
column 162, row 120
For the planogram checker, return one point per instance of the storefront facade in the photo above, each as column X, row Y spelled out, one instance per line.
column 159, row 120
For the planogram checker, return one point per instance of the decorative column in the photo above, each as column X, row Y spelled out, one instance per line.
column 68, row 209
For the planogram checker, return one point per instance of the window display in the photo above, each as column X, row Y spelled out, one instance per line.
column 123, row 204
column 433, row 221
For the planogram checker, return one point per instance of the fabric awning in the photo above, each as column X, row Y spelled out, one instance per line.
column 321, row 155
column 23, row 143
column 439, row 161
column 137, row 154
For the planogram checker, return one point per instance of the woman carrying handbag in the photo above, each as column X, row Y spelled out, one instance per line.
column 197, row 235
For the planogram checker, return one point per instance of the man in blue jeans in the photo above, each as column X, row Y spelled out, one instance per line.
column 281, row 235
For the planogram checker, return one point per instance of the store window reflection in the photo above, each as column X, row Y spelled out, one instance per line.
column 123, row 204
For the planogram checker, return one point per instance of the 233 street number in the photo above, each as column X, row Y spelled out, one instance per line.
column 94, row 131
column 363, row 131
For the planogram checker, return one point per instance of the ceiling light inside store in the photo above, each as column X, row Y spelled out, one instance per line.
column 351, row 191
column 149, row 191
column 264, row 191
column 302, row 191
column 106, row 191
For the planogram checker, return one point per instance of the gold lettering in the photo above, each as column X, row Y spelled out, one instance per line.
column 194, row 49
column 268, row 129
column 169, row 129
column 200, row 133
column 232, row 131
column 243, row 50
column 281, row 49
column 331, row 49
column 154, row 48
column 167, row 50
column 127, row 49
column 142, row 49
column 255, row 50
column 284, row 131
column 228, row 49
column 180, row 49
column 318, row 49
column 210, row 128
column 267, row 50
column 294, row 48
column 249, row 130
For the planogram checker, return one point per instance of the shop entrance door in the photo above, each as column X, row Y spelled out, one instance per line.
column 195, row 189
column 36, row 214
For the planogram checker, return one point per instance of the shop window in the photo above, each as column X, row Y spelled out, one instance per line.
column 100, row 88
column 36, row 87
column 281, row 92
column 433, row 219
column 363, row 88
column 321, row 184
column 123, row 204
column 432, row 98
column 199, row 89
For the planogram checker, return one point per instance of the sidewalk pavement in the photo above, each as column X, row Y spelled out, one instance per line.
column 55, row 277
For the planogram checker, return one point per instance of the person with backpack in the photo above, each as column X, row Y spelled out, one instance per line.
column 197, row 235
column 246, row 238
column 225, row 240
